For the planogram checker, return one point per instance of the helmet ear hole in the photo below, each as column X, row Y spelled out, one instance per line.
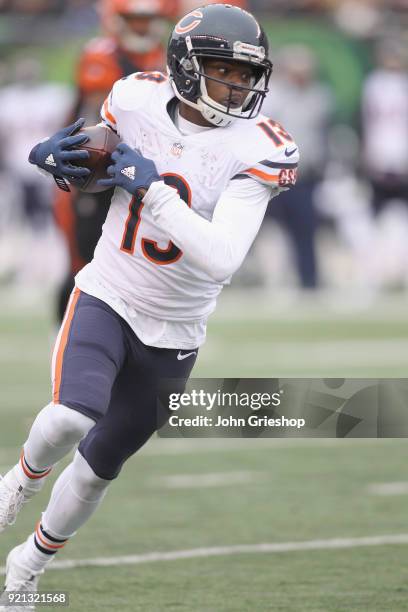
column 183, row 70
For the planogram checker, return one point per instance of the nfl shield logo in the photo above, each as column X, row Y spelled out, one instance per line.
column 177, row 149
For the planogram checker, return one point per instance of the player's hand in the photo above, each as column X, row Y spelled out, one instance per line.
column 131, row 171
column 56, row 153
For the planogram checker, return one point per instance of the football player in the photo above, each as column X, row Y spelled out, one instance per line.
column 132, row 41
column 193, row 175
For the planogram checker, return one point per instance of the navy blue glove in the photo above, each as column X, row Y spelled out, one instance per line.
column 130, row 170
column 56, row 153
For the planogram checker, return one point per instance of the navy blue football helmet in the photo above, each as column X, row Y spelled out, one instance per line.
column 223, row 32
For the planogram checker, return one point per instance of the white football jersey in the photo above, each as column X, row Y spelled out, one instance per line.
column 135, row 260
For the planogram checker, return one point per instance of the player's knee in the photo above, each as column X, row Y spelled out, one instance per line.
column 106, row 447
column 85, row 483
column 62, row 426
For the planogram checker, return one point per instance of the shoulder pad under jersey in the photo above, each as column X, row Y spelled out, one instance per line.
column 266, row 152
column 130, row 93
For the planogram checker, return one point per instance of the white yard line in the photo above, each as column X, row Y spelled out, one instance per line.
column 185, row 446
column 188, row 446
column 322, row 353
column 223, row 551
column 213, row 479
column 388, row 488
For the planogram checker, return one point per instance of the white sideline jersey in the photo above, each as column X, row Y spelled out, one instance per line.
column 160, row 290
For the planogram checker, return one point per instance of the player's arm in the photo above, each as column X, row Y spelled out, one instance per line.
column 218, row 247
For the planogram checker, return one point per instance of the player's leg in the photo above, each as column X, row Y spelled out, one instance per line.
column 132, row 418
column 88, row 355
column 301, row 219
column 75, row 496
column 94, row 354
column 53, row 434
column 134, row 412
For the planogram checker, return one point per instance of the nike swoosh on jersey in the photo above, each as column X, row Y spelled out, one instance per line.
column 181, row 356
column 289, row 153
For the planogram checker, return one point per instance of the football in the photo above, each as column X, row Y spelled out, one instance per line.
column 102, row 142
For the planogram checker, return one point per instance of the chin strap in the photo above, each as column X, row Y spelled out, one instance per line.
column 217, row 118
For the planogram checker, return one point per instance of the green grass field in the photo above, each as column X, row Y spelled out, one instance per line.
column 183, row 495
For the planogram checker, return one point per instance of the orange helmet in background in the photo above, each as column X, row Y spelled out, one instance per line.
column 138, row 26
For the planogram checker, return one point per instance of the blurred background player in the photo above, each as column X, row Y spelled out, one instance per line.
column 26, row 200
column 384, row 144
column 296, row 78
column 134, row 31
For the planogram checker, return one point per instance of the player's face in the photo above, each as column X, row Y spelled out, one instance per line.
column 236, row 74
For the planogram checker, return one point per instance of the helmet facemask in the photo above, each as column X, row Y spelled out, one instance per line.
column 224, row 115
column 191, row 73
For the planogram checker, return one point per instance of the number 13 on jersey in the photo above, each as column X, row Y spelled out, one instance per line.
column 150, row 248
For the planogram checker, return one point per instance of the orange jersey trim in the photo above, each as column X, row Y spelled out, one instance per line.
column 263, row 175
column 63, row 343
